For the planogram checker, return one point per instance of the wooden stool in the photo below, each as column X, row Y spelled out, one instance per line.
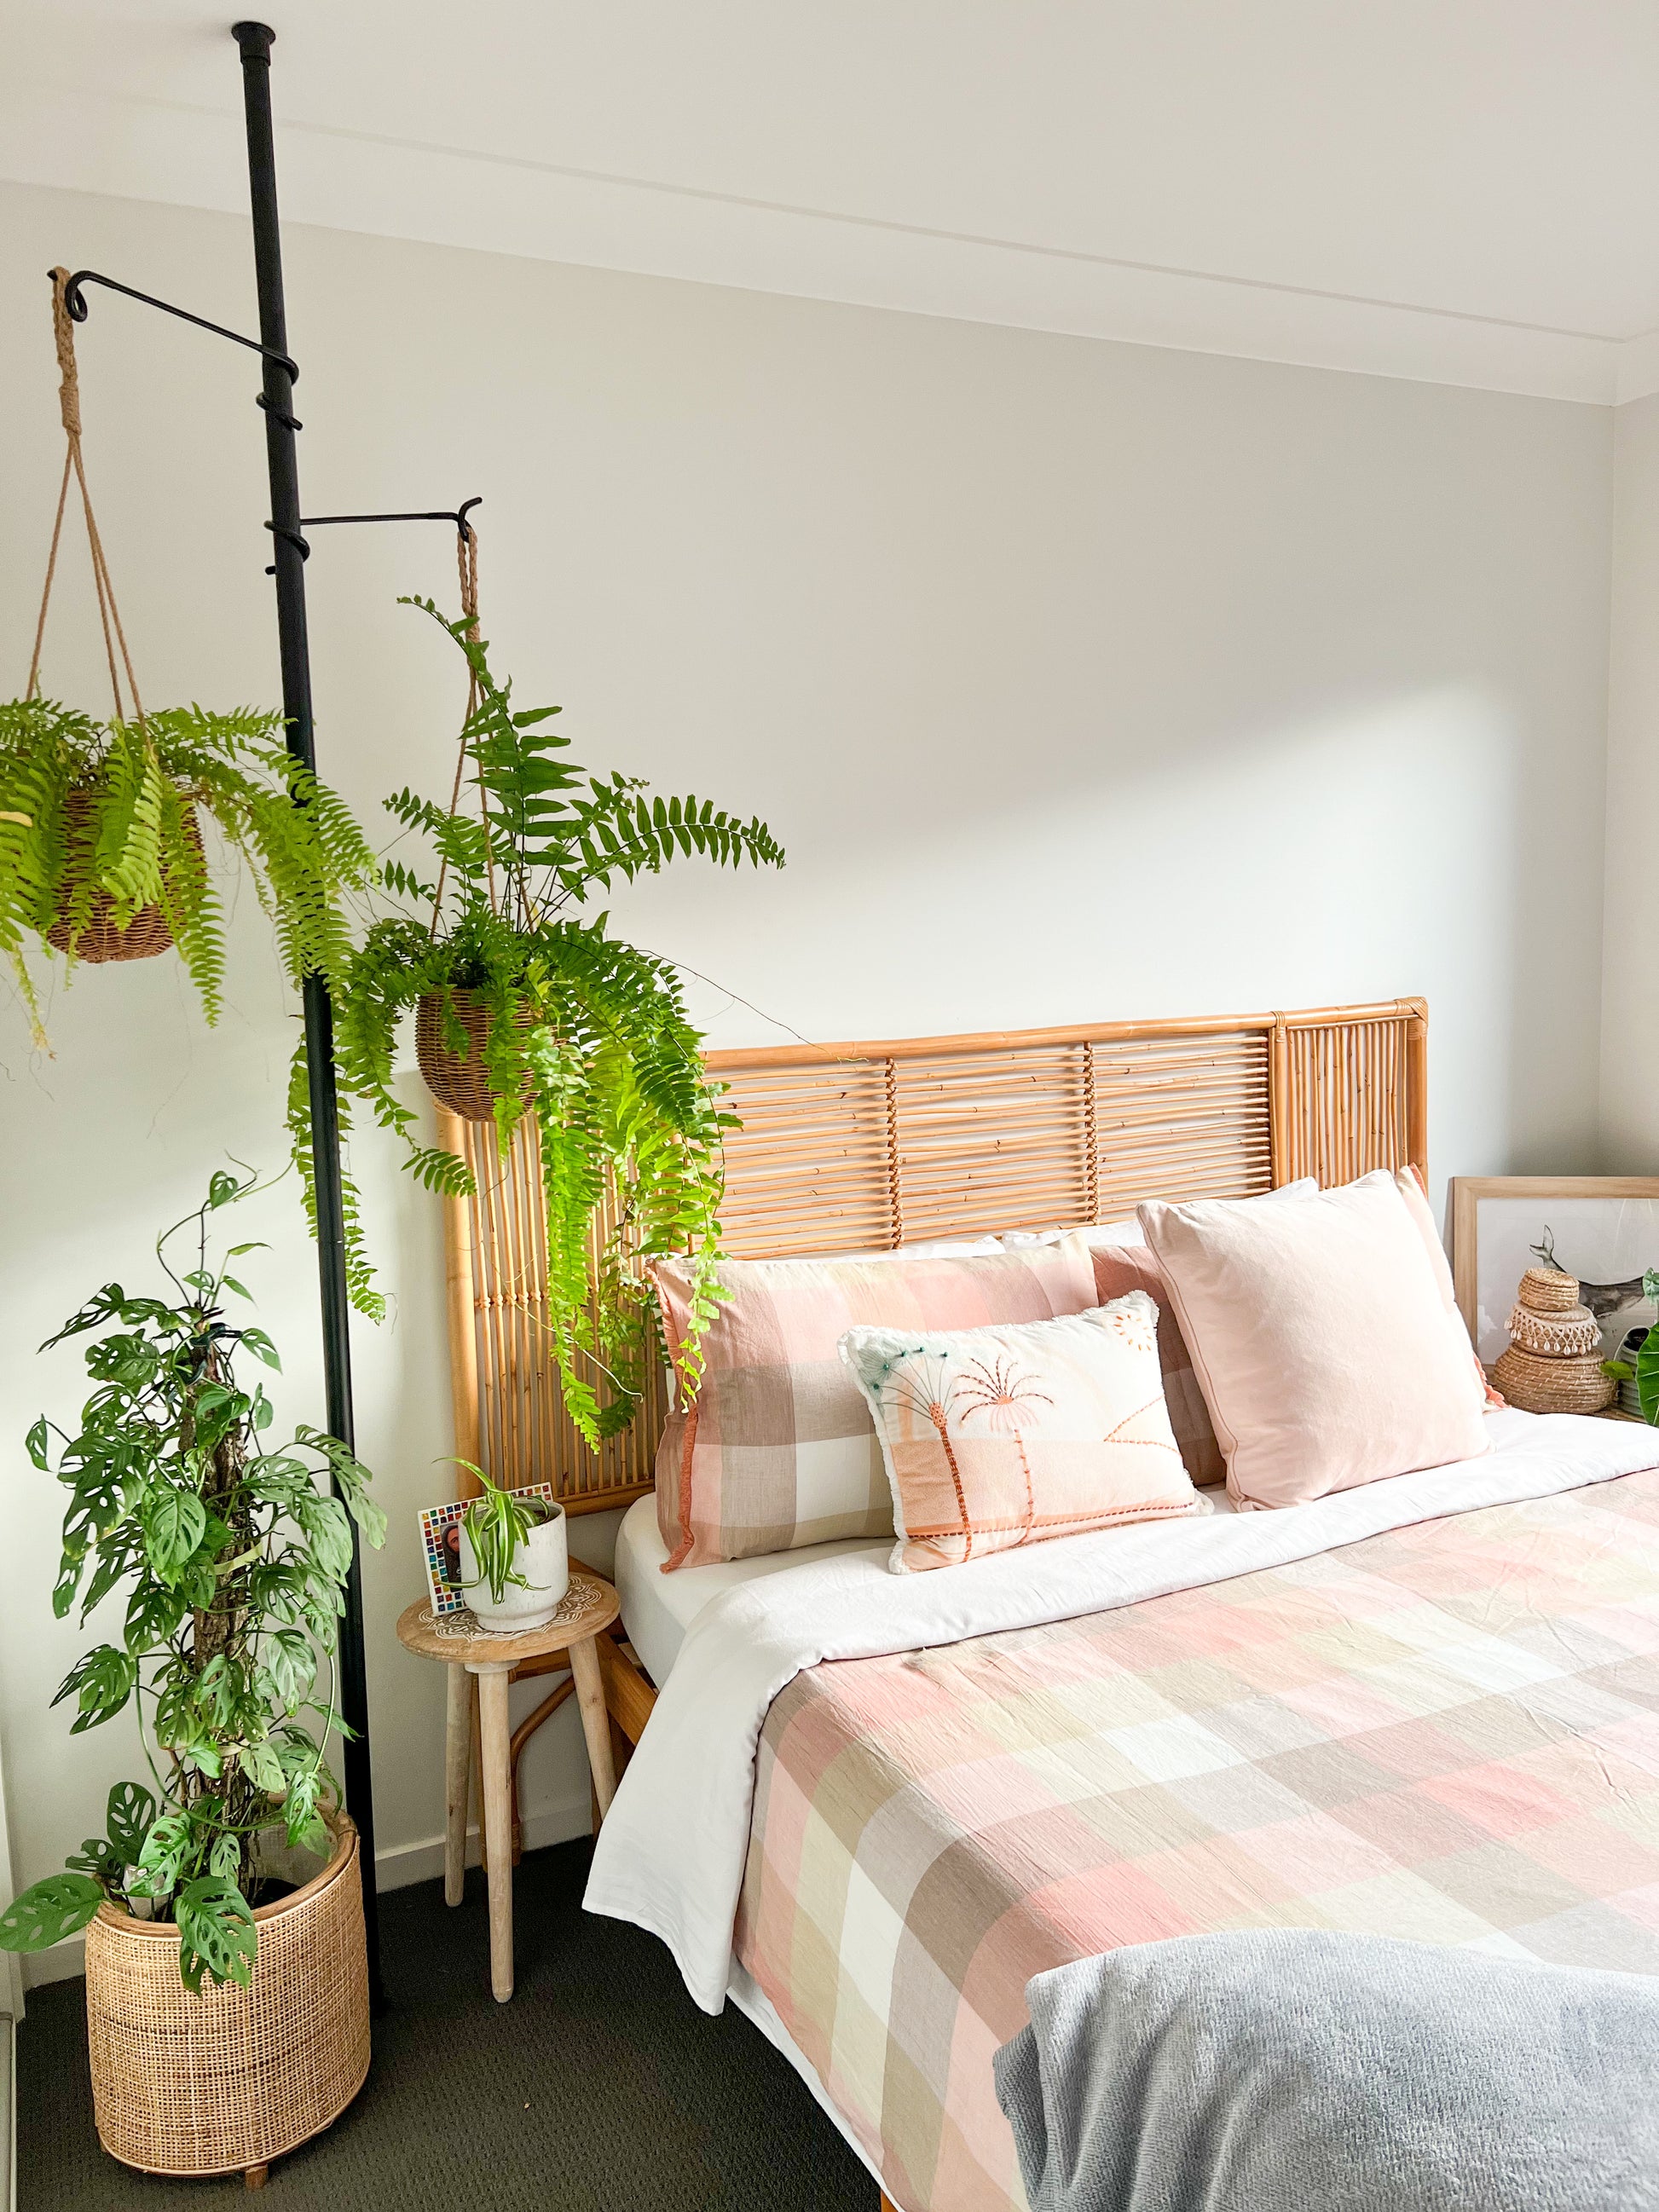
column 586, row 1610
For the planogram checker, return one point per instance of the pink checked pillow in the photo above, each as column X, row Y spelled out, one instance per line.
column 778, row 1450
column 1121, row 1268
column 1320, row 1339
column 994, row 1437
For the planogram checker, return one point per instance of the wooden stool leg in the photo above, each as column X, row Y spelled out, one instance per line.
column 475, row 1781
column 498, row 1827
column 458, row 1769
column 596, row 1721
column 255, row 2177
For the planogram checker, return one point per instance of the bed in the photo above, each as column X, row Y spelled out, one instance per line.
column 867, row 1807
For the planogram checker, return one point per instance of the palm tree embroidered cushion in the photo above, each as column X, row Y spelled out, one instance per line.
column 776, row 1449
column 1009, row 1435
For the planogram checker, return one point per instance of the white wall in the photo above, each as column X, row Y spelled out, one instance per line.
column 1630, row 976
column 1080, row 680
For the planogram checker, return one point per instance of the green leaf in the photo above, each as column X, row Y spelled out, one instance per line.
column 217, row 1933
column 323, row 1523
column 260, row 1346
column 175, row 1521
column 101, row 1682
column 263, row 1768
column 36, row 1442
column 223, row 1188
column 95, row 1857
column 45, row 1914
column 290, row 1661
column 130, row 1811
column 1647, row 1376
column 161, row 1854
column 154, row 1616
column 225, row 1859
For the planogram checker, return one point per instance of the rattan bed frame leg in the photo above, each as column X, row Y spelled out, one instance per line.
column 255, row 2177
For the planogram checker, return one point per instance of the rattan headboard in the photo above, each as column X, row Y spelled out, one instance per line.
column 858, row 1148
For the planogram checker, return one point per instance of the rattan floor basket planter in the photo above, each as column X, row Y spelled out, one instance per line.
column 455, row 1080
column 225, row 2082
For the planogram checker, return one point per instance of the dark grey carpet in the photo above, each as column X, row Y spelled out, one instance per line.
column 600, row 2088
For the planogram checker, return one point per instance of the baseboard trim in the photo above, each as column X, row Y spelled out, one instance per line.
column 402, row 1864
column 396, row 1868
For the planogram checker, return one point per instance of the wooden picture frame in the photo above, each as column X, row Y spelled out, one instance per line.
column 1562, row 1194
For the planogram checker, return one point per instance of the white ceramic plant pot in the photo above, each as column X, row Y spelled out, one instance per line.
column 543, row 1560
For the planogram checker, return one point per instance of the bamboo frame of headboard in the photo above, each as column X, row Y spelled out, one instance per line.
column 866, row 1146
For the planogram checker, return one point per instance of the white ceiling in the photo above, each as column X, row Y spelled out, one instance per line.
column 1461, row 189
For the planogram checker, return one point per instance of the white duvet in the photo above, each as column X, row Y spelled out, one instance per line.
column 669, row 1856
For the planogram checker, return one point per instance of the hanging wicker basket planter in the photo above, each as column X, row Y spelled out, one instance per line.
column 104, row 939
column 101, row 936
column 458, row 1080
column 227, row 2080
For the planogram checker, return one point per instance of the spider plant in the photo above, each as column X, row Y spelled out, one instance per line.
column 498, row 1521
column 577, row 1031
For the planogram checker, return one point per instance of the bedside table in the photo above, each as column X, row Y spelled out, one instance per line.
column 585, row 1611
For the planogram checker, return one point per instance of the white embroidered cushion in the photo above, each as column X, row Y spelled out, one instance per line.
column 1016, row 1433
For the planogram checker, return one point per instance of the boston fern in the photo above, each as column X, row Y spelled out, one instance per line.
column 580, row 1032
column 99, row 820
column 232, row 1563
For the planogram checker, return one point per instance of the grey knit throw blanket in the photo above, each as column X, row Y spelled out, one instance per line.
column 1292, row 2071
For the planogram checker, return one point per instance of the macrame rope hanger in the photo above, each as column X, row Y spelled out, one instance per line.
column 466, row 563
column 68, row 407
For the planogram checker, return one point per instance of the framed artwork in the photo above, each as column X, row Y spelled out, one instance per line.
column 440, row 1547
column 1602, row 1228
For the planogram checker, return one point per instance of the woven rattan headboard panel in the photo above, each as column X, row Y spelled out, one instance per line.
column 857, row 1147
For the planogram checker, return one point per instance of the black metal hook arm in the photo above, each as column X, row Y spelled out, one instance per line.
column 75, row 303
column 456, row 515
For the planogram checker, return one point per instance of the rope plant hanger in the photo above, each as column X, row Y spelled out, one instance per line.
column 96, row 925
column 68, row 407
column 101, row 856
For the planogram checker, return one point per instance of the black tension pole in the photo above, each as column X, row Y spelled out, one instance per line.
column 254, row 40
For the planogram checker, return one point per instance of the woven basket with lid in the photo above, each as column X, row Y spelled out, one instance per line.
column 1548, row 1289
column 1553, row 1363
column 225, row 2082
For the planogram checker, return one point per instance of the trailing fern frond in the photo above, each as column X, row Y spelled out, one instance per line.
column 584, row 1035
column 104, row 818
column 360, row 1276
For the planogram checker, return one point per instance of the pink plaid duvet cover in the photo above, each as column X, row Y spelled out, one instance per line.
column 1446, row 1731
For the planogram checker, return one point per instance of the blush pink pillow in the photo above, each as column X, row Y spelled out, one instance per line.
column 1410, row 1185
column 1320, row 1339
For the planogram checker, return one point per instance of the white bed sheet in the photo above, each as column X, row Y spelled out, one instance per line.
column 656, row 1609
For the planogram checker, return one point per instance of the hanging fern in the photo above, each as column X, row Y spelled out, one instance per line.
column 101, row 821
column 583, row 1033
